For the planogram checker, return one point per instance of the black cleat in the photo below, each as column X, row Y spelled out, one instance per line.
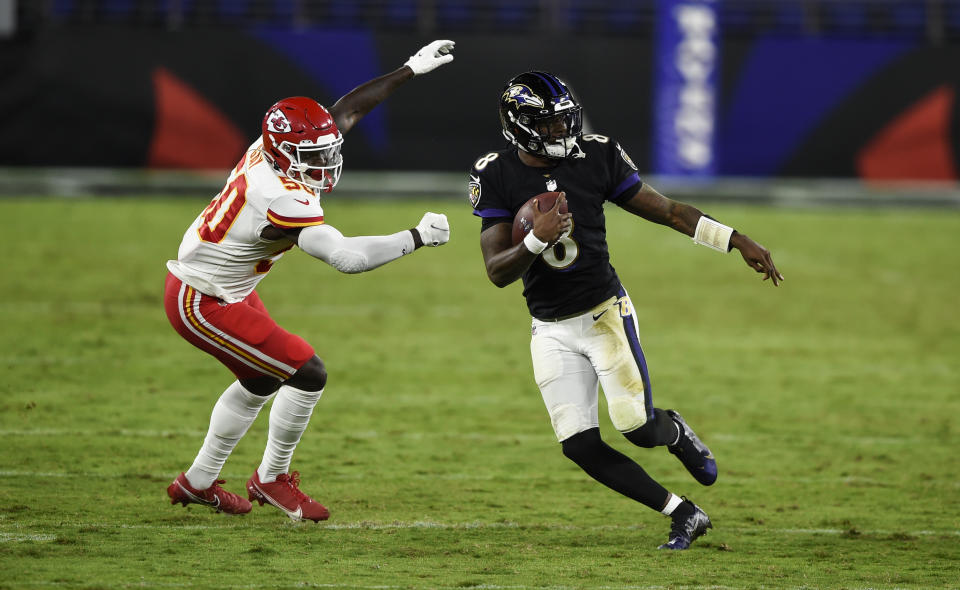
column 694, row 455
column 685, row 531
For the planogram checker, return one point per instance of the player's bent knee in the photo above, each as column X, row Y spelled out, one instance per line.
column 312, row 376
column 568, row 420
column 657, row 432
column 627, row 412
column 583, row 446
column 261, row 386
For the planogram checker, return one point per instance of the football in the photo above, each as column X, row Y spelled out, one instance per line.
column 523, row 221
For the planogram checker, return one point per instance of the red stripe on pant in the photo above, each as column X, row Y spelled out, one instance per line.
column 241, row 335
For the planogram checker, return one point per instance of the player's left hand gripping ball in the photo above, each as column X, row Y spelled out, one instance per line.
column 431, row 56
column 434, row 229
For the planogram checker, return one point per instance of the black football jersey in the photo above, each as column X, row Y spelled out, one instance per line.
column 575, row 274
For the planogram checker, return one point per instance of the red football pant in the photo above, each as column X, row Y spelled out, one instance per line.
column 241, row 335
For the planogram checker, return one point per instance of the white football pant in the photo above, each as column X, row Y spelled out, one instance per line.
column 570, row 358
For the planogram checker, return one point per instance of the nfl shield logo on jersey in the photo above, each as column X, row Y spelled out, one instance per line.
column 473, row 190
column 551, row 185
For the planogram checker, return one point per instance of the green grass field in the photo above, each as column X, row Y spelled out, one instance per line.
column 831, row 404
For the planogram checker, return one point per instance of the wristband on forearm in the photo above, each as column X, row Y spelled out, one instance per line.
column 533, row 243
column 713, row 234
column 417, row 238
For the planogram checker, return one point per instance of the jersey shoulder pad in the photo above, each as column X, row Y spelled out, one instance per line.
column 623, row 155
column 606, row 147
column 488, row 160
column 597, row 143
column 483, row 176
column 288, row 203
column 291, row 209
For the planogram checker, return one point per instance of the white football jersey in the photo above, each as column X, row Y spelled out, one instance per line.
column 222, row 253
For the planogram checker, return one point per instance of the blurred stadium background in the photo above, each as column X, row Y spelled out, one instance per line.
column 791, row 101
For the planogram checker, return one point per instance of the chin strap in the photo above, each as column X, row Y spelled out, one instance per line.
column 574, row 152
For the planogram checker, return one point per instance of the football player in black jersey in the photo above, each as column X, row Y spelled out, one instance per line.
column 584, row 328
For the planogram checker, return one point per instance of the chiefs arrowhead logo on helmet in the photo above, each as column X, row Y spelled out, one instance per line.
column 278, row 122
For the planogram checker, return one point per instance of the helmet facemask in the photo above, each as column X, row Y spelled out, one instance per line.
column 317, row 165
column 552, row 135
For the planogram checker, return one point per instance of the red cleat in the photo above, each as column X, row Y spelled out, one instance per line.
column 215, row 497
column 285, row 494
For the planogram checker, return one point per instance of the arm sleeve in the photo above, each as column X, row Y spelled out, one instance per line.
column 354, row 254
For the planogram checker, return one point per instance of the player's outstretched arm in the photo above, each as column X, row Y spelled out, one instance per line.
column 362, row 253
column 507, row 262
column 354, row 105
column 705, row 230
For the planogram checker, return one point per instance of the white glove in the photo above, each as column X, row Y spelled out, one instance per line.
column 431, row 57
column 434, row 229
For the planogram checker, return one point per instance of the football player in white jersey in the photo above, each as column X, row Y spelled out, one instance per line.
column 270, row 204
